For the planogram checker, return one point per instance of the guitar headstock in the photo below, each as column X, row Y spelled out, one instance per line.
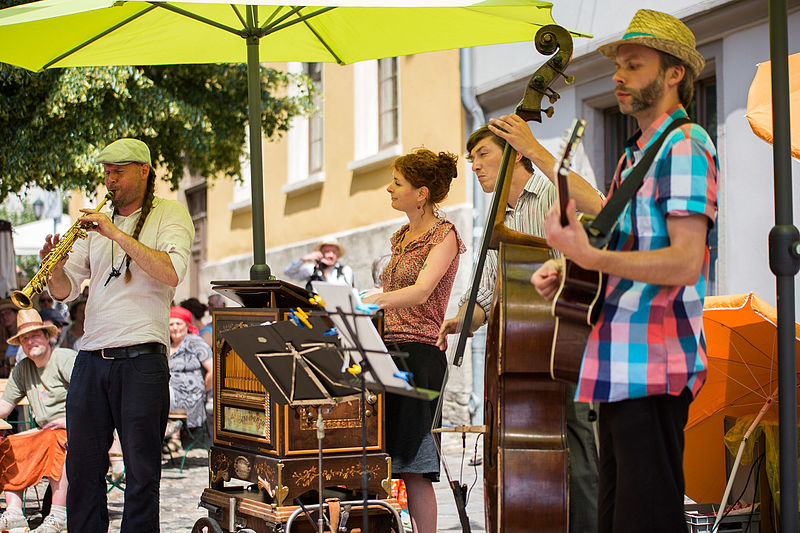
column 572, row 138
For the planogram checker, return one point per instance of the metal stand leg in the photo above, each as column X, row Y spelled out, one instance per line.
column 358, row 504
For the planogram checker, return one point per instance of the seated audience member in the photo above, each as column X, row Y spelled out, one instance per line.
column 322, row 264
column 71, row 336
column 198, row 311
column 43, row 378
column 215, row 301
column 51, row 317
column 45, row 301
column 8, row 328
column 189, row 359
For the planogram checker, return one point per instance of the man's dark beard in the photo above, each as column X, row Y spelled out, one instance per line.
column 646, row 97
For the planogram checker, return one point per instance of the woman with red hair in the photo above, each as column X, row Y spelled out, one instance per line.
column 189, row 357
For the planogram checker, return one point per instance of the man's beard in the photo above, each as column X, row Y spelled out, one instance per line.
column 646, row 97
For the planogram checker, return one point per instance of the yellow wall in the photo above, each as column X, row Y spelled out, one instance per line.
column 430, row 116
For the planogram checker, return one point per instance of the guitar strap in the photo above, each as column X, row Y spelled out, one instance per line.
column 600, row 229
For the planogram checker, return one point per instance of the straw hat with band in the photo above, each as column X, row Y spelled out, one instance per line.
column 29, row 320
column 662, row 32
column 330, row 242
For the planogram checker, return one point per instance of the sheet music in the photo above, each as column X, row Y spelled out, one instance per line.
column 346, row 298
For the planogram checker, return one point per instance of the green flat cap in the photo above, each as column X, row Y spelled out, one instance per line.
column 124, row 151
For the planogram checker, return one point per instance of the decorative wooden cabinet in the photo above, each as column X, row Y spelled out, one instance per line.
column 274, row 447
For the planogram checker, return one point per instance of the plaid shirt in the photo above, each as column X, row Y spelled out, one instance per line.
column 649, row 338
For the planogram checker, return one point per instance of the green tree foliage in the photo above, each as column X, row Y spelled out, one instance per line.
column 53, row 123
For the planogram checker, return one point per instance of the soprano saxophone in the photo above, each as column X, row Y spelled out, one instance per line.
column 38, row 282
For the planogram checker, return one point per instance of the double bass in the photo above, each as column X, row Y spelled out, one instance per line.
column 525, row 454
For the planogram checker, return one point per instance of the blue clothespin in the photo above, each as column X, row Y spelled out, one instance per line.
column 332, row 331
column 405, row 376
column 293, row 318
column 301, row 316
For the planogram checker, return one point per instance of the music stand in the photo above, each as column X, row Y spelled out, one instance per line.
column 298, row 366
column 362, row 344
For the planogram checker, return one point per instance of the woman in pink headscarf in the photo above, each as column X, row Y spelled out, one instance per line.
column 189, row 358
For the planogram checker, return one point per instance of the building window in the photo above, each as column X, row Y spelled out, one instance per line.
column 242, row 194
column 315, row 125
column 619, row 128
column 196, row 201
column 305, row 141
column 376, row 114
column 387, row 101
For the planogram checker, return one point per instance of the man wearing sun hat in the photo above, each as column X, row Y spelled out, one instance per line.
column 322, row 264
column 133, row 258
column 43, row 378
column 645, row 359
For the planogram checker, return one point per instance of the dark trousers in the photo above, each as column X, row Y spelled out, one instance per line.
column 582, row 466
column 131, row 395
column 641, row 464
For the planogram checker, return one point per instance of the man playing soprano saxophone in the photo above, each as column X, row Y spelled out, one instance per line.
column 134, row 259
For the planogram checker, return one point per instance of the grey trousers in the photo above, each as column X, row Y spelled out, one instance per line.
column 582, row 466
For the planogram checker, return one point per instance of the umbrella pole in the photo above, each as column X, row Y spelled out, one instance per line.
column 260, row 270
column 784, row 260
column 738, row 460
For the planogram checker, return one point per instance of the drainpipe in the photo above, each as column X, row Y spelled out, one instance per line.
column 477, row 118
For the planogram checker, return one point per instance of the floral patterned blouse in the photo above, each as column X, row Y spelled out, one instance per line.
column 419, row 323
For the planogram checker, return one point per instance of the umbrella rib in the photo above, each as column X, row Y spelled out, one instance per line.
column 198, row 18
column 268, row 24
column 301, row 18
column 244, row 24
column 320, row 39
column 269, row 18
column 97, row 37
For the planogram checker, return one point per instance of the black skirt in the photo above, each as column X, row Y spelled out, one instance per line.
column 408, row 420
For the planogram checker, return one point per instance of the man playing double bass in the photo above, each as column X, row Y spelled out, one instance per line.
column 530, row 196
column 645, row 359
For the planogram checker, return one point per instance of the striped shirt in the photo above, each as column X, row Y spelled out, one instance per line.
column 527, row 216
column 649, row 338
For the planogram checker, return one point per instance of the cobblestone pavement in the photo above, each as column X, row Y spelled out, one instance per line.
column 180, row 492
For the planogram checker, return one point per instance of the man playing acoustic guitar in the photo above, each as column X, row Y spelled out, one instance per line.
column 645, row 358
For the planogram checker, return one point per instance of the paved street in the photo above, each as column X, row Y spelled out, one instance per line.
column 180, row 492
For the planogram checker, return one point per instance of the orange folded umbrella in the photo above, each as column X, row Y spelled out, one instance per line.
column 759, row 102
column 741, row 342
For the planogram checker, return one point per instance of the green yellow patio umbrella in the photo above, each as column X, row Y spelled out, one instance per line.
column 72, row 33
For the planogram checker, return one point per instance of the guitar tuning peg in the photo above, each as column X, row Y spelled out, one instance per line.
column 549, row 112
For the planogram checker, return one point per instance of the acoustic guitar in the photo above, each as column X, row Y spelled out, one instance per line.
column 579, row 299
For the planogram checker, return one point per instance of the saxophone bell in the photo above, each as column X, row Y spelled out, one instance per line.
column 23, row 298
